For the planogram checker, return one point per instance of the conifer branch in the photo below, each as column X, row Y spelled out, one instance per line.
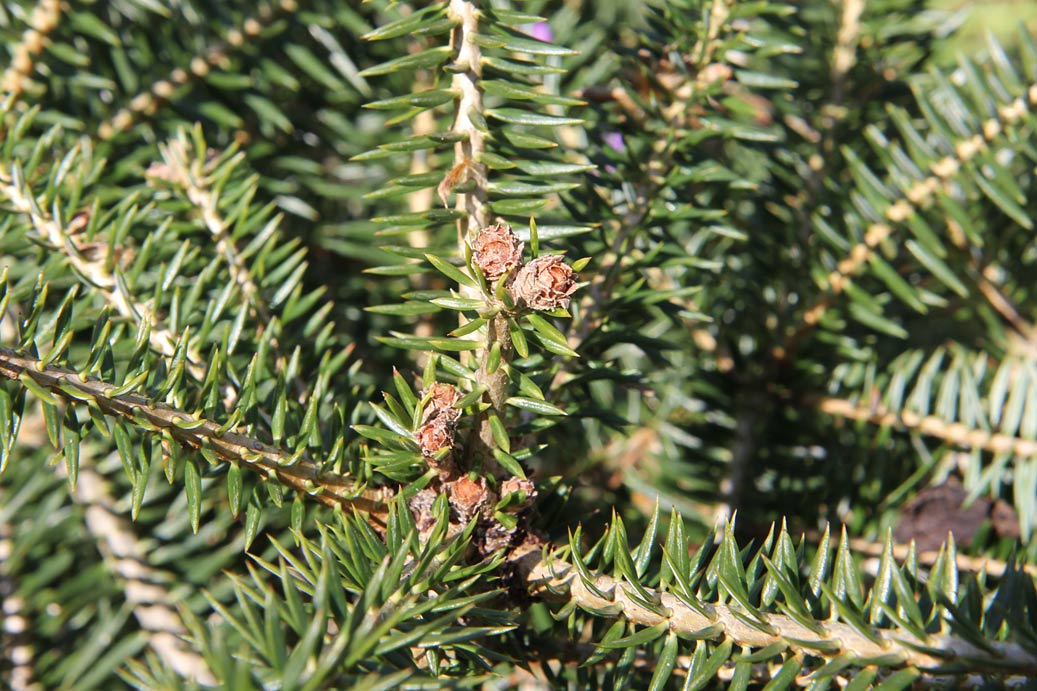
column 91, row 266
column 147, row 102
column 293, row 470
column 718, row 133
column 16, row 654
column 554, row 579
column 717, row 17
column 468, row 167
column 993, row 567
column 989, row 277
column 951, row 432
column 125, row 558
column 913, row 199
column 682, row 95
column 44, row 19
column 844, row 55
column 194, row 179
column 987, row 282
column 593, row 304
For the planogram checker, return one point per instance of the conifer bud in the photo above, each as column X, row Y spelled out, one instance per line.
column 516, row 484
column 467, row 496
column 434, row 436
column 496, row 250
column 545, row 283
column 442, row 398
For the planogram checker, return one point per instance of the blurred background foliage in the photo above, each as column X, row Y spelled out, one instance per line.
column 1000, row 18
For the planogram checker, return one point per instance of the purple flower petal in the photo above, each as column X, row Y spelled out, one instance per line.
column 540, row 31
column 615, row 141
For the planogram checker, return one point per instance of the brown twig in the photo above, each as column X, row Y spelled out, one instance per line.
column 474, row 204
column 844, row 55
column 951, row 432
column 93, row 268
column 467, row 151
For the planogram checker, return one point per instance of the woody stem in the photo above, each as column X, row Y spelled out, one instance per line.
column 480, row 441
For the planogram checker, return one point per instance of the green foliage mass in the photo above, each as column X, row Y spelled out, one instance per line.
column 539, row 344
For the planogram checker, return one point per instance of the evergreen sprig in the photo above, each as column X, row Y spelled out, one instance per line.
column 815, row 617
column 328, row 332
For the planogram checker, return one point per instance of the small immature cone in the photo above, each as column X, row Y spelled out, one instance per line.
column 496, row 250
column 421, row 507
column 442, row 398
column 434, row 436
column 515, row 484
column 467, row 496
column 545, row 283
column 439, row 420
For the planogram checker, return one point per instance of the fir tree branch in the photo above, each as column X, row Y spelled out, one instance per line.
column 714, row 22
column 294, row 471
column 911, row 201
column 125, row 558
column 17, row 653
column 15, row 641
column 554, row 579
column 92, row 267
column 993, row 567
column 987, row 279
column 194, row 179
column 468, row 111
column 951, row 432
column 664, row 147
column 146, row 103
column 44, row 19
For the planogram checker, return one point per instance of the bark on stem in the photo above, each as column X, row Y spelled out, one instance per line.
column 465, row 82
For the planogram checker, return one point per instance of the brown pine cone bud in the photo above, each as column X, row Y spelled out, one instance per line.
column 544, row 283
column 442, row 398
column 496, row 250
column 515, row 484
column 434, row 436
column 467, row 496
